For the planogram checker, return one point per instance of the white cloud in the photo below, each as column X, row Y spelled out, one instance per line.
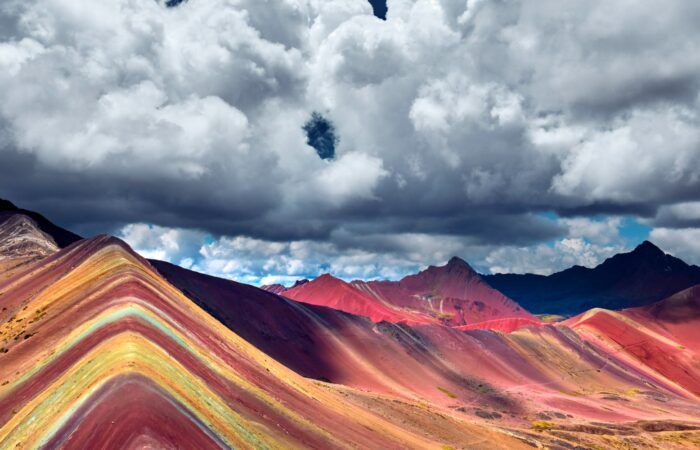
column 353, row 175
column 167, row 244
column 260, row 261
column 370, row 256
column 587, row 244
column 596, row 231
column 14, row 55
column 681, row 242
column 264, row 262
column 632, row 161
column 545, row 259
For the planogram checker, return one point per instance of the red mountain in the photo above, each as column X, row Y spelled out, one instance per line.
column 335, row 293
column 454, row 294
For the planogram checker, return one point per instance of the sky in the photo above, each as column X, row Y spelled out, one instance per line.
column 267, row 141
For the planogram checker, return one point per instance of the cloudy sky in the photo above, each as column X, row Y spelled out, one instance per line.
column 520, row 135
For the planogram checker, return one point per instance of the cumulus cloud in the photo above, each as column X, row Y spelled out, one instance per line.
column 355, row 175
column 167, row 244
column 261, row 261
column 632, row 161
column 461, row 121
column 588, row 243
column 370, row 255
column 681, row 242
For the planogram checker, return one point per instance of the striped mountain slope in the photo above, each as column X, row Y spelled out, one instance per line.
column 100, row 351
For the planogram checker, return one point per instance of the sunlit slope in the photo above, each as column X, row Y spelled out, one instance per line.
column 335, row 293
column 98, row 350
column 662, row 339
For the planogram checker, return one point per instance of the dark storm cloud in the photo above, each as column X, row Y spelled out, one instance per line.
column 644, row 210
column 675, row 89
column 478, row 229
column 460, row 121
column 679, row 215
column 96, row 204
column 93, row 204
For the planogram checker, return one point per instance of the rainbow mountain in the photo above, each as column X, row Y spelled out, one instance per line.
column 104, row 349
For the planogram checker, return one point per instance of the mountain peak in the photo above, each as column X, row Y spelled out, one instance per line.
column 646, row 255
column 456, row 261
column 326, row 277
column 325, row 281
column 648, row 247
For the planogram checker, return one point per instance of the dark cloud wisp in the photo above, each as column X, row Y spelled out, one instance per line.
column 321, row 135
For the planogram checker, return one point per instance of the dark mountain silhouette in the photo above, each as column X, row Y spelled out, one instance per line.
column 641, row 277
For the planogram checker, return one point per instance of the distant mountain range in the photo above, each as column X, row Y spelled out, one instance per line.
column 640, row 277
column 456, row 295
